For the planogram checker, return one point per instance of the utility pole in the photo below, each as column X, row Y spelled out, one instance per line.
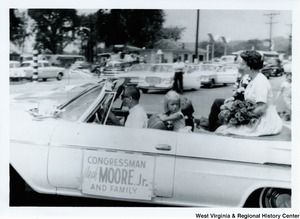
column 207, row 52
column 197, row 34
column 225, row 44
column 290, row 40
column 271, row 24
column 212, row 41
column 91, row 44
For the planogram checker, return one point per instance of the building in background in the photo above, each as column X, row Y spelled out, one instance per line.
column 166, row 51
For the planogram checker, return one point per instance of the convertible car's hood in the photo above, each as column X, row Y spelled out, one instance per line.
column 46, row 99
column 35, row 111
column 26, row 128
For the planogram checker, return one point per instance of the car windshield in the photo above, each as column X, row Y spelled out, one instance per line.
column 141, row 67
column 228, row 59
column 25, row 64
column 113, row 64
column 193, row 68
column 163, row 68
column 271, row 61
column 229, row 67
column 208, row 67
column 75, row 108
column 14, row 65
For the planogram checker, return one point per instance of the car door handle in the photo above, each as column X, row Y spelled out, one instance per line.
column 163, row 147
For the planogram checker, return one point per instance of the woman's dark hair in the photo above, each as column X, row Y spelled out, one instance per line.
column 253, row 59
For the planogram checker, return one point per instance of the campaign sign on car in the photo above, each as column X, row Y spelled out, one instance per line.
column 119, row 175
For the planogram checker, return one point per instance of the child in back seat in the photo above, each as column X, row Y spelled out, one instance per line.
column 172, row 111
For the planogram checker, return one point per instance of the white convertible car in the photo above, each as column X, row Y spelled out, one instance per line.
column 73, row 150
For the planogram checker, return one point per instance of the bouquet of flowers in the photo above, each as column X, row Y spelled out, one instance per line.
column 240, row 86
column 238, row 112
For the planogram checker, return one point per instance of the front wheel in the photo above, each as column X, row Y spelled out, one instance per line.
column 211, row 84
column 59, row 76
column 275, row 198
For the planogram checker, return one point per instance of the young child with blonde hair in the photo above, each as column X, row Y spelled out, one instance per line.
column 172, row 111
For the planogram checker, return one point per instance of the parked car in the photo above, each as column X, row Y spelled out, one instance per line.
column 228, row 59
column 272, row 67
column 80, row 65
column 115, row 67
column 45, row 70
column 98, row 68
column 135, row 72
column 161, row 78
column 13, row 74
column 212, row 74
column 287, row 66
column 14, row 64
column 74, row 150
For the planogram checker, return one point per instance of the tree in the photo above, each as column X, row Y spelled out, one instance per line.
column 54, row 28
column 87, row 34
column 15, row 25
column 252, row 44
column 172, row 32
column 141, row 28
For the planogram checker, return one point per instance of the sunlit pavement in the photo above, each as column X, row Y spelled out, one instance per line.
column 70, row 78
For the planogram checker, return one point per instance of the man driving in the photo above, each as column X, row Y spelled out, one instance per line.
column 137, row 117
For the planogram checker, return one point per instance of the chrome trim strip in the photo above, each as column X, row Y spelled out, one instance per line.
column 29, row 142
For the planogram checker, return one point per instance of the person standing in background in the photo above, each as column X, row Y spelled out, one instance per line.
column 178, row 67
column 286, row 93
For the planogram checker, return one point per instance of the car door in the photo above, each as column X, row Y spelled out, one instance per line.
column 115, row 162
column 226, row 75
column 190, row 79
column 41, row 70
column 49, row 71
column 214, row 170
column 95, row 160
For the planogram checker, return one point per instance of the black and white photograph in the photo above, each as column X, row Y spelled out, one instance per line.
column 132, row 109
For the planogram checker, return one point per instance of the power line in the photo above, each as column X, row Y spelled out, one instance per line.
column 271, row 25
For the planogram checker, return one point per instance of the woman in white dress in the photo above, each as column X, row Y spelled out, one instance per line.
column 258, row 90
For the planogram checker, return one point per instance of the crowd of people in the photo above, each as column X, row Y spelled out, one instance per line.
column 177, row 114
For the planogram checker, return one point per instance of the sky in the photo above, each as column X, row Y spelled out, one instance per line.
column 232, row 24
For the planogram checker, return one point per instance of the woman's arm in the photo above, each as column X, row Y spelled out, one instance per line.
column 171, row 117
column 260, row 109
